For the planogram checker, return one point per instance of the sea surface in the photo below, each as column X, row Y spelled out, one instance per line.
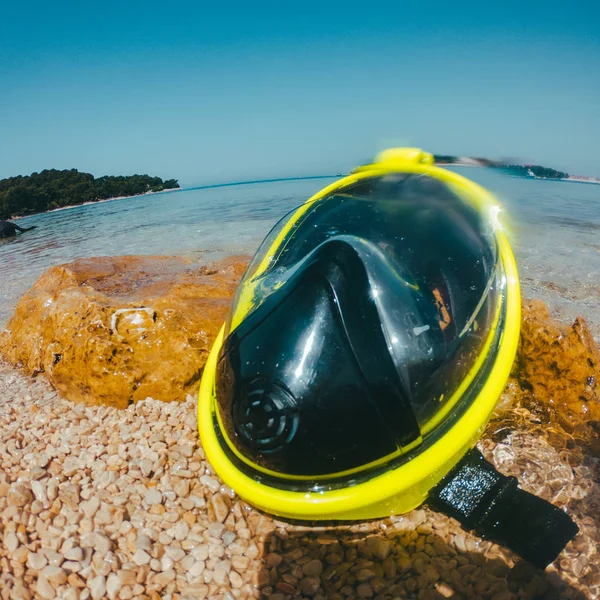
column 555, row 231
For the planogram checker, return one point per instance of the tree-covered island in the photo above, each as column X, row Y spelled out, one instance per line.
column 51, row 189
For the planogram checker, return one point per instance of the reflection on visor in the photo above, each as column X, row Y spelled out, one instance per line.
column 416, row 220
column 424, row 241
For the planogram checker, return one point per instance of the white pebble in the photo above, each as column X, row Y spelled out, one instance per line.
column 162, row 579
column 55, row 575
column 36, row 561
column 143, row 542
column 113, row 586
column 176, row 554
column 97, row 587
column 141, row 557
column 181, row 531
column 212, row 484
column 54, row 558
column 71, row 465
column 102, row 544
column 153, row 497
column 75, row 554
column 90, row 507
column 44, row 589
column 197, row 569
column 39, row 491
column 11, row 541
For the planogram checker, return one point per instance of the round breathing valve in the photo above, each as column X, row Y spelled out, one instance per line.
column 267, row 416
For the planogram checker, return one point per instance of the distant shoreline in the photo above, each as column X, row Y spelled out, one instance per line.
column 44, row 212
column 573, row 178
column 582, row 180
column 196, row 187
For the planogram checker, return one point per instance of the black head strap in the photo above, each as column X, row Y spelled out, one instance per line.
column 480, row 498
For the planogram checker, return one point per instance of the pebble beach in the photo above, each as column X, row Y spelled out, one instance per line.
column 369, row 283
column 97, row 502
column 119, row 504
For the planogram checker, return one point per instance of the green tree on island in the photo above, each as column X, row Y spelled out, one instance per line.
column 51, row 188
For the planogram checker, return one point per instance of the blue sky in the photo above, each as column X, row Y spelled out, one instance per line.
column 209, row 94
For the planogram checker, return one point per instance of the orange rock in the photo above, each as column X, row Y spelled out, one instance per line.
column 114, row 330
column 559, row 365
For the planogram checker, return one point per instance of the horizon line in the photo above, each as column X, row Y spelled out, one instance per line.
column 253, row 181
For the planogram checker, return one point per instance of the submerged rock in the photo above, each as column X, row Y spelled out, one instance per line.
column 558, row 366
column 115, row 330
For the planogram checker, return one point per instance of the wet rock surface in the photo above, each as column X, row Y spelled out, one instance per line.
column 557, row 371
column 115, row 330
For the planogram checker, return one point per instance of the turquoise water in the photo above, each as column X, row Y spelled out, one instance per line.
column 556, row 233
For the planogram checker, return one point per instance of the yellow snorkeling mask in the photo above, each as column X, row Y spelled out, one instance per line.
column 367, row 345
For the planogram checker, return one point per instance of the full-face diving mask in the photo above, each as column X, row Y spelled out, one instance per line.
column 367, row 345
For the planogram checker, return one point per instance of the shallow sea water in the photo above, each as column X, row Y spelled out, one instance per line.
column 555, row 233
